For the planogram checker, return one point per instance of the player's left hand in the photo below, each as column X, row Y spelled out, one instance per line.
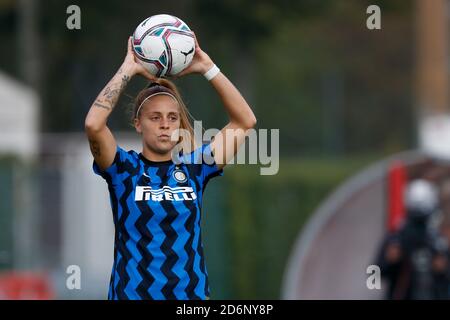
column 201, row 62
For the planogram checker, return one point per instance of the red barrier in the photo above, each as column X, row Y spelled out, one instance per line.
column 397, row 180
column 25, row 286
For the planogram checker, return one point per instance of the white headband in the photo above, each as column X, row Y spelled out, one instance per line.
column 152, row 95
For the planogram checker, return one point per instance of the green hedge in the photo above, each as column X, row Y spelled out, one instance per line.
column 6, row 212
column 254, row 221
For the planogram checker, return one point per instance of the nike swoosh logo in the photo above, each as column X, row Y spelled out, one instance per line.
column 146, row 175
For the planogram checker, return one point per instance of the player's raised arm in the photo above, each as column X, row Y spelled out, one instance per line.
column 241, row 117
column 101, row 141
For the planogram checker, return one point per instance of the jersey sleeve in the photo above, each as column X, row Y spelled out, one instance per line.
column 209, row 166
column 205, row 165
column 110, row 173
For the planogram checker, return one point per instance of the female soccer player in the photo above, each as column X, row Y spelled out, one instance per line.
column 156, row 195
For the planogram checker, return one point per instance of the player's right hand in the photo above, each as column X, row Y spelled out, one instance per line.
column 132, row 66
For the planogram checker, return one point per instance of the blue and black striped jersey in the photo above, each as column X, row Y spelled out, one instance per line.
column 156, row 206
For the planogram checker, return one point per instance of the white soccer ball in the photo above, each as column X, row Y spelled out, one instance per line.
column 164, row 45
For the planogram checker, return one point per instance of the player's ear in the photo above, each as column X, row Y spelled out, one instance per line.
column 137, row 125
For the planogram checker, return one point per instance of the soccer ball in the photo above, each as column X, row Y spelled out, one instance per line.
column 164, row 45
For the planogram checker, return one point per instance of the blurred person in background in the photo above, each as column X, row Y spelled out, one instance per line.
column 414, row 260
column 156, row 200
column 445, row 224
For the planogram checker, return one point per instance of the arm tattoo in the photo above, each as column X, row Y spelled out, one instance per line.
column 112, row 95
column 95, row 148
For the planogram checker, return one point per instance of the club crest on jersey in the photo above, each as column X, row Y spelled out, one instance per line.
column 144, row 193
column 179, row 176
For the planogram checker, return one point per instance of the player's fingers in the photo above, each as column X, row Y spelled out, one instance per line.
column 130, row 46
column 182, row 73
column 148, row 75
column 197, row 45
column 178, row 75
column 173, row 77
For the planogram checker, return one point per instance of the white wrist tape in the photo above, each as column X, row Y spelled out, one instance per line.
column 211, row 73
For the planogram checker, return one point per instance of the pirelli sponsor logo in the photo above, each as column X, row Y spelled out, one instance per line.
column 145, row 193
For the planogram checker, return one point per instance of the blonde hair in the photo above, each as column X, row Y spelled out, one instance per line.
column 168, row 87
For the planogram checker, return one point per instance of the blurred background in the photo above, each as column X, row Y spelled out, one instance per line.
column 362, row 114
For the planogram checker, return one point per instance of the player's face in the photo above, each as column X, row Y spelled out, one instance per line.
column 158, row 119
